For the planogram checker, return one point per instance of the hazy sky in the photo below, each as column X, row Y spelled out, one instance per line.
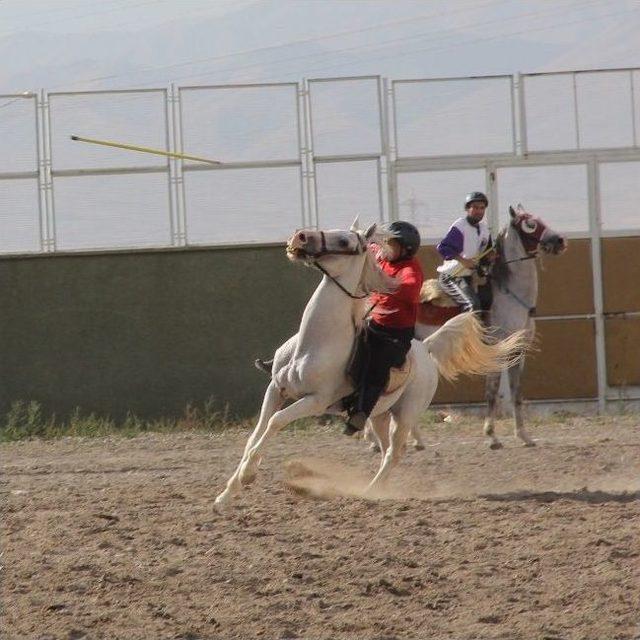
column 87, row 44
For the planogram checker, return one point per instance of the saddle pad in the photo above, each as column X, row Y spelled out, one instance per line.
column 432, row 315
column 431, row 292
column 399, row 375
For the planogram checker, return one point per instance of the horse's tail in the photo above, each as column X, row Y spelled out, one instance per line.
column 264, row 365
column 464, row 345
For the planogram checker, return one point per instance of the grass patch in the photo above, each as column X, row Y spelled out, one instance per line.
column 26, row 420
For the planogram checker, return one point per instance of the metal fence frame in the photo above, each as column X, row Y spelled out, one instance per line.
column 180, row 167
column 389, row 167
column 522, row 157
column 39, row 171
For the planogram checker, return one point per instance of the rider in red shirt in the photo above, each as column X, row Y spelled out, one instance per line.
column 391, row 324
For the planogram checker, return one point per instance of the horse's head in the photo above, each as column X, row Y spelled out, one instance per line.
column 331, row 247
column 342, row 254
column 535, row 234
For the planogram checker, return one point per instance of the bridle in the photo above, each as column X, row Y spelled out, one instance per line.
column 311, row 260
column 531, row 246
column 356, row 251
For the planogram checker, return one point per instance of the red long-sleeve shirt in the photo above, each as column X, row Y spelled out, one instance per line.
column 399, row 309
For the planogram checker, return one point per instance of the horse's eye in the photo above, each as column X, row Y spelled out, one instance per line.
column 528, row 225
column 343, row 243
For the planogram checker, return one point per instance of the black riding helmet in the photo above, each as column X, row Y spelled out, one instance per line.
column 407, row 236
column 475, row 196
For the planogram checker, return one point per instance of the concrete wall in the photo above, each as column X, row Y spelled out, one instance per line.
column 145, row 332
column 149, row 332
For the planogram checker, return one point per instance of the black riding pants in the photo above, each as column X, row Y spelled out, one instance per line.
column 387, row 348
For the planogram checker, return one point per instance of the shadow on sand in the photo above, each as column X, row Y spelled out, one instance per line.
column 579, row 495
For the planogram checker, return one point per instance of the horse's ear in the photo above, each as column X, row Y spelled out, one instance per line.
column 520, row 208
column 355, row 225
column 512, row 211
column 368, row 234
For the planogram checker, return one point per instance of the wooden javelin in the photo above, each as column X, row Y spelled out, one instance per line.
column 133, row 147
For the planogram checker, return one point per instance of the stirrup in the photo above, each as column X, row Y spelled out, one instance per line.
column 355, row 423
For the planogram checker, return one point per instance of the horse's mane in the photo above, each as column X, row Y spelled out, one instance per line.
column 373, row 278
column 500, row 271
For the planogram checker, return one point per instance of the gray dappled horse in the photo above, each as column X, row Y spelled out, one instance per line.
column 514, row 284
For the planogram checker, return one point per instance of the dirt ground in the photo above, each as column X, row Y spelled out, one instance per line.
column 117, row 538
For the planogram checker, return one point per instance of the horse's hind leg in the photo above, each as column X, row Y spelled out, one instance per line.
column 492, row 386
column 397, row 445
column 515, row 375
column 379, row 427
column 272, row 401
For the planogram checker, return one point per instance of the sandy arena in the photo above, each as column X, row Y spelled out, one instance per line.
column 117, row 539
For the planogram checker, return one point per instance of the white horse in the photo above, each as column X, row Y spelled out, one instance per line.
column 514, row 284
column 310, row 369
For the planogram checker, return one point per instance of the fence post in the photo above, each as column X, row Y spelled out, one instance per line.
column 593, row 182
column 176, row 178
column 49, row 221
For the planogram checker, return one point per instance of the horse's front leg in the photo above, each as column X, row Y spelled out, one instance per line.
column 492, row 386
column 379, row 428
column 272, row 401
column 308, row 406
column 515, row 375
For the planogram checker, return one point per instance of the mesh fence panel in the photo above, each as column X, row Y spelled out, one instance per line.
column 346, row 190
column 453, row 117
column 605, row 116
column 618, row 185
column 432, row 200
column 241, row 124
column 18, row 137
column 558, row 194
column 597, row 113
column 242, row 205
column 550, row 119
column 112, row 211
column 345, row 116
column 260, row 125
column 137, row 118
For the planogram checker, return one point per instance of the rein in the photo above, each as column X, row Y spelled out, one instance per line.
column 326, row 252
column 333, row 279
column 530, row 257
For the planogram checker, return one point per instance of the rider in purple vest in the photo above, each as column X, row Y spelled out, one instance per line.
column 466, row 249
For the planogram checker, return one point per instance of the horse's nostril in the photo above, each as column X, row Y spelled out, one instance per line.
column 302, row 237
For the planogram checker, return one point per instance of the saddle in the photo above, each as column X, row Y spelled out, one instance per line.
column 399, row 375
column 435, row 307
column 358, row 361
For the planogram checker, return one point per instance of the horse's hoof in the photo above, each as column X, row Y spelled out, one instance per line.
column 419, row 447
column 247, row 477
column 375, row 448
column 529, row 443
column 494, row 446
column 220, row 502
